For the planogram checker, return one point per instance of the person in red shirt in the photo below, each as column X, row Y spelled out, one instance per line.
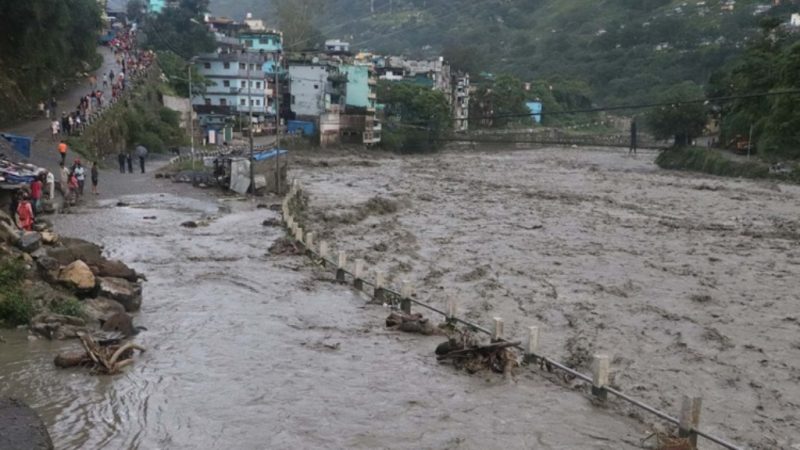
column 25, row 214
column 36, row 194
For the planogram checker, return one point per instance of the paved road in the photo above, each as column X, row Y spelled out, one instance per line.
column 43, row 152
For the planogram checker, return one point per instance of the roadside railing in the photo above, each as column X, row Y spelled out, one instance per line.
column 688, row 421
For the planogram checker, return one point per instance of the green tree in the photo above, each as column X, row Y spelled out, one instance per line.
column 678, row 120
column 296, row 20
column 136, row 10
column 179, row 30
column 417, row 117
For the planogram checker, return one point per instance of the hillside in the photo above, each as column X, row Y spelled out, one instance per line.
column 622, row 49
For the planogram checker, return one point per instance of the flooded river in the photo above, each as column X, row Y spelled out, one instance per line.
column 242, row 353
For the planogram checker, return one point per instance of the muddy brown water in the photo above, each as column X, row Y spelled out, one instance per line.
column 238, row 356
column 689, row 282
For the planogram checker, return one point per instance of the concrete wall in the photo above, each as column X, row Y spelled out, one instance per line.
column 308, row 84
column 357, row 85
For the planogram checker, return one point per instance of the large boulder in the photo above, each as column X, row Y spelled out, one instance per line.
column 78, row 277
column 73, row 249
column 49, row 238
column 57, row 326
column 115, row 269
column 102, row 308
column 22, row 428
column 30, row 241
column 8, row 233
column 125, row 292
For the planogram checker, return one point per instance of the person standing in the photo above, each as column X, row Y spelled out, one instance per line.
column 36, row 194
column 64, row 125
column 633, row 137
column 55, row 127
column 25, row 214
column 121, row 160
column 141, row 152
column 50, row 179
column 41, row 108
column 62, row 150
column 95, row 177
column 80, row 174
column 129, row 160
column 63, row 179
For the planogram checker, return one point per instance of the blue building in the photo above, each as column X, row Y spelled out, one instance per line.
column 156, row 6
column 262, row 41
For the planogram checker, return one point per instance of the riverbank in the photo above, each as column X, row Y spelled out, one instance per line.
column 685, row 280
column 725, row 164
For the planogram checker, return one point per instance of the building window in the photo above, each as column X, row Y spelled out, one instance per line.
column 242, row 66
column 252, row 67
column 243, row 83
column 316, row 86
column 252, row 102
column 258, row 102
column 293, row 99
column 226, row 83
column 242, row 102
column 248, row 43
column 208, row 102
column 207, row 65
column 223, row 102
column 227, row 65
column 258, row 85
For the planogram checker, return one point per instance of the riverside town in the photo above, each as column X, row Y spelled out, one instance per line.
column 404, row 224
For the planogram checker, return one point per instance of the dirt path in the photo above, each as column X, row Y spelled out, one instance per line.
column 690, row 282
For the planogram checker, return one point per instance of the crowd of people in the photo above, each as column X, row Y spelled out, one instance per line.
column 131, row 64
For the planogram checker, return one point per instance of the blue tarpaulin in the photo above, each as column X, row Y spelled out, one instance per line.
column 536, row 109
column 269, row 154
column 300, row 127
column 21, row 144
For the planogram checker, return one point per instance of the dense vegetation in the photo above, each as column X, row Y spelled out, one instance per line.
column 770, row 64
column 42, row 44
column 621, row 50
column 178, row 30
column 416, row 117
column 16, row 307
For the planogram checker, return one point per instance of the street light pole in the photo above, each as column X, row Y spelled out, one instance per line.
column 277, row 130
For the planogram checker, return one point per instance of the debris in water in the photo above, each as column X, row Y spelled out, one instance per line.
column 106, row 357
column 499, row 357
column 286, row 247
column 411, row 323
column 189, row 224
column 271, row 223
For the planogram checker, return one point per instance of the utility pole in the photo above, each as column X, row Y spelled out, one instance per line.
column 191, row 112
column 277, row 130
column 250, row 127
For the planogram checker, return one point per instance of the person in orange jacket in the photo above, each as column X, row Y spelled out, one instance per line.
column 25, row 214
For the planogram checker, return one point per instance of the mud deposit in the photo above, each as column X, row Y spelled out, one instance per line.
column 690, row 282
column 248, row 350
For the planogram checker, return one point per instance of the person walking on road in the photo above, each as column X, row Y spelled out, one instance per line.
column 141, row 152
column 129, row 160
column 62, row 150
column 80, row 174
column 95, row 177
column 633, row 137
column 121, row 160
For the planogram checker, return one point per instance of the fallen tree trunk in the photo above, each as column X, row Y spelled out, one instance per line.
column 104, row 357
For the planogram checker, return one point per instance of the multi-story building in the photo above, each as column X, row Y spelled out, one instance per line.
column 237, row 85
column 461, row 102
column 359, row 123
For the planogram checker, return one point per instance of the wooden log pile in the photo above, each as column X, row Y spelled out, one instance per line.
column 105, row 357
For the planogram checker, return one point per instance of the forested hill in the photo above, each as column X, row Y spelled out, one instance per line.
column 42, row 43
column 622, row 49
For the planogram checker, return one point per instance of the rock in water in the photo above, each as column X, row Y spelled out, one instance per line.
column 116, row 269
column 30, row 241
column 121, row 323
column 22, row 428
column 78, row 276
column 189, row 224
column 126, row 293
column 101, row 308
column 57, row 326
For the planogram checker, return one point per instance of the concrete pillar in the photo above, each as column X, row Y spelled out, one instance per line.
column 600, row 368
column 310, row 241
column 690, row 418
column 358, row 274
column 340, row 271
column 497, row 331
column 532, row 345
column 406, row 291
column 324, row 252
column 379, row 294
column 451, row 308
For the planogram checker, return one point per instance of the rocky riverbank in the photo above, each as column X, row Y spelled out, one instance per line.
column 60, row 287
